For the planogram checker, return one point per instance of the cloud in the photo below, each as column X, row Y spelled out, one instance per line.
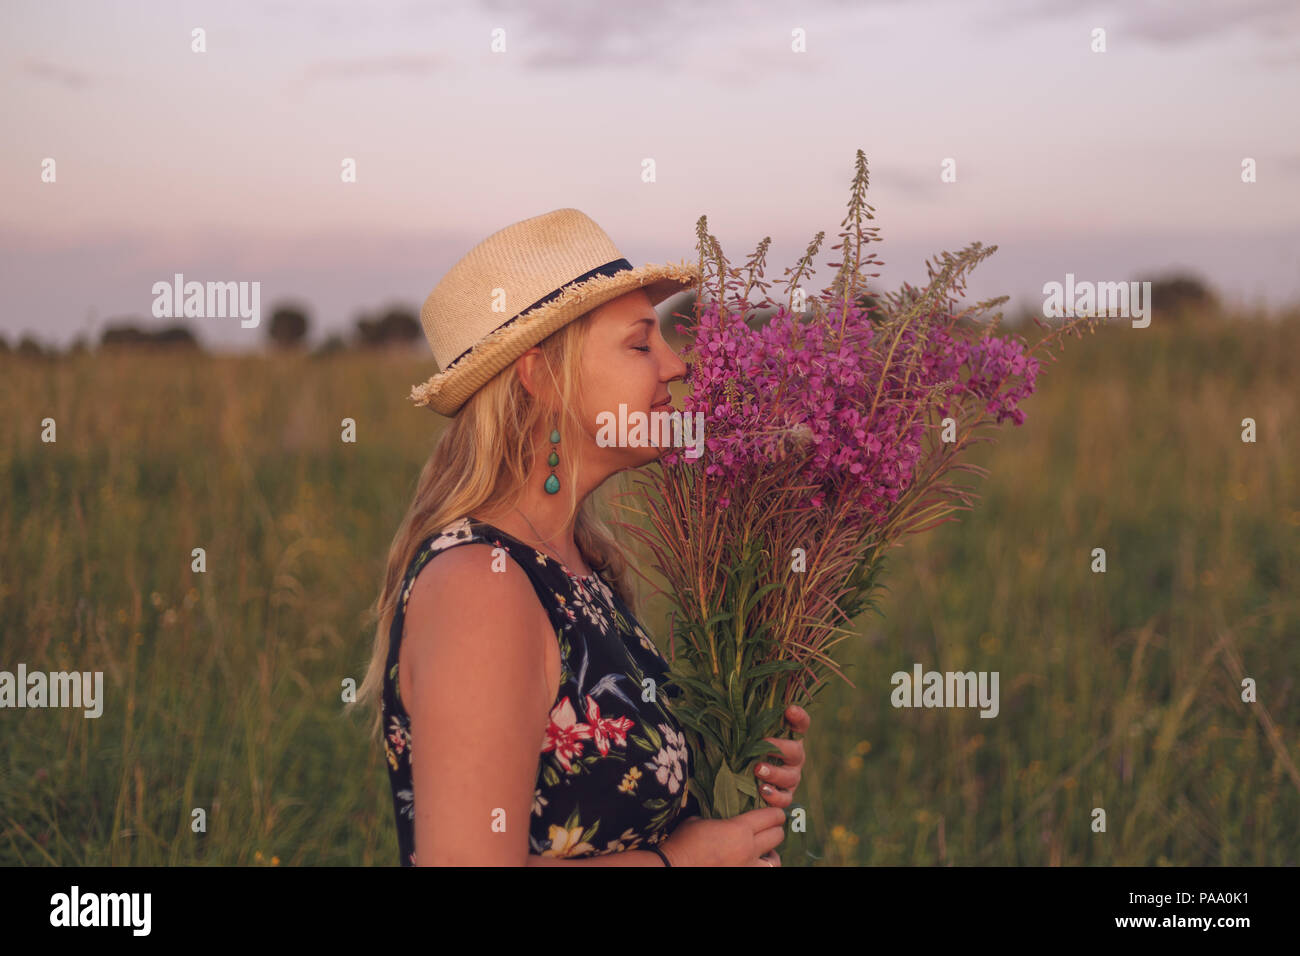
column 907, row 181
column 62, row 75
column 919, row 183
column 1193, row 20
column 1165, row 22
column 579, row 33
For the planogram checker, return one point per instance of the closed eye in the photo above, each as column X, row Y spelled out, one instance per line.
column 641, row 348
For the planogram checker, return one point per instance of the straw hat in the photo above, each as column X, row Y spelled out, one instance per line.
column 518, row 286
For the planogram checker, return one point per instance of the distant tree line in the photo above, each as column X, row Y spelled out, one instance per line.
column 398, row 326
column 395, row 326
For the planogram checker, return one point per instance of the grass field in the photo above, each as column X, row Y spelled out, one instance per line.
column 1119, row 691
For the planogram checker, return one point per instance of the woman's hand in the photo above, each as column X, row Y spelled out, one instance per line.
column 777, row 786
column 748, row 839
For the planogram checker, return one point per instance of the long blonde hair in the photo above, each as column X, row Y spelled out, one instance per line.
column 481, row 461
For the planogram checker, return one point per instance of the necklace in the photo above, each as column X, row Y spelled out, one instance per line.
column 540, row 539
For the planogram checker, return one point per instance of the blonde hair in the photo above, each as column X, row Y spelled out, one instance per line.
column 481, row 461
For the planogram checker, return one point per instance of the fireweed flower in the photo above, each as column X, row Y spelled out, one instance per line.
column 828, row 438
column 861, row 415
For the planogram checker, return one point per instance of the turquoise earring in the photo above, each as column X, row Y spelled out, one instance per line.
column 552, row 483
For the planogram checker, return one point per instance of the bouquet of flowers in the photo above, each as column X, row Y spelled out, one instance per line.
column 832, row 431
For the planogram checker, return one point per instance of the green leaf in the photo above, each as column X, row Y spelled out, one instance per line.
column 719, row 713
column 700, row 728
column 764, row 724
column 706, row 805
column 757, row 595
column 772, row 667
column 745, row 783
column 735, row 693
column 643, row 743
column 707, row 691
column 713, row 749
column 769, row 720
column 755, row 637
column 660, row 818
column 736, row 690
column 757, row 748
column 654, row 737
column 726, row 793
column 717, row 618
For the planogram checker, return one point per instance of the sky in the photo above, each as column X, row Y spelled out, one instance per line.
column 225, row 165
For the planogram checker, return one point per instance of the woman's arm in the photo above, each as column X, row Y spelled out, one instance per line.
column 479, row 705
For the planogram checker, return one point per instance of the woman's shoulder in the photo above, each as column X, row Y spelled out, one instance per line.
column 480, row 536
column 462, row 531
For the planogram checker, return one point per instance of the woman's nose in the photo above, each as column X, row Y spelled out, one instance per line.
column 677, row 367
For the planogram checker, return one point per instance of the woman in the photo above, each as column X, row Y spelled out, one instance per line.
column 518, row 696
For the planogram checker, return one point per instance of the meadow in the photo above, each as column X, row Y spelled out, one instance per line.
column 1119, row 690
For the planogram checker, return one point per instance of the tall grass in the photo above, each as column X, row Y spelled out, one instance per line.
column 223, row 689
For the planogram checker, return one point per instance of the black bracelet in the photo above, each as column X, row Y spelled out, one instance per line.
column 661, row 855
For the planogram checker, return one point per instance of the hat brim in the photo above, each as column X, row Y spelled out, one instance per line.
column 448, row 390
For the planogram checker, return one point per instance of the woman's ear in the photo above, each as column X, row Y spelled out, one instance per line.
column 526, row 368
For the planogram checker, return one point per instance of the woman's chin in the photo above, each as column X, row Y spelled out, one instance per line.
column 643, row 456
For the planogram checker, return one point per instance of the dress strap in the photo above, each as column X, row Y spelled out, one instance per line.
column 471, row 531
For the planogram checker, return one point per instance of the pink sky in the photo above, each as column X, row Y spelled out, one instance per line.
column 225, row 165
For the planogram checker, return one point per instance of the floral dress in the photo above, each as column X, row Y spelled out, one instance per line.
column 613, row 768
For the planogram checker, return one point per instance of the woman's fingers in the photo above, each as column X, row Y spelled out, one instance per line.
column 775, row 797
column 768, row 839
column 763, row 818
column 791, row 752
column 798, row 719
column 785, row 776
column 777, row 782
